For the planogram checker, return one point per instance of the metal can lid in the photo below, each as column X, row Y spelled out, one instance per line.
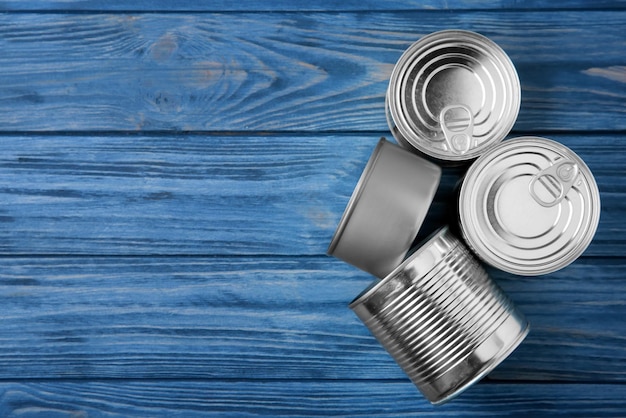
column 529, row 206
column 452, row 95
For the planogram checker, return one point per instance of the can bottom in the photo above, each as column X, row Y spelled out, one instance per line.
column 478, row 364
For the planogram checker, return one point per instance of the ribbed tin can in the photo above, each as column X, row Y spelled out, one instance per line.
column 452, row 95
column 442, row 318
column 529, row 206
column 386, row 209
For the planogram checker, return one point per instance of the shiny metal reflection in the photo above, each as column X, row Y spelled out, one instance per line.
column 530, row 206
column 441, row 317
column 452, row 95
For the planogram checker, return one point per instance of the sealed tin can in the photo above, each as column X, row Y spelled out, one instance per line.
column 530, row 206
column 452, row 95
column 442, row 318
column 386, row 209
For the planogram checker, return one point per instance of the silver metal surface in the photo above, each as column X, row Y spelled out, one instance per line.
column 386, row 210
column 529, row 206
column 452, row 95
column 441, row 317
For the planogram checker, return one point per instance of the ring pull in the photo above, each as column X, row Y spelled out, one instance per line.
column 550, row 186
column 457, row 124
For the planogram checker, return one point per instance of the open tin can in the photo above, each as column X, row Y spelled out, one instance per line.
column 530, row 206
column 452, row 95
column 386, row 210
column 442, row 318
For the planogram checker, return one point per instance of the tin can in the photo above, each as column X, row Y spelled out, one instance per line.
column 529, row 206
column 442, row 318
column 386, row 209
column 452, row 95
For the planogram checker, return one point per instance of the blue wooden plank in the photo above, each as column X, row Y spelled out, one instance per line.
column 265, row 318
column 240, row 314
column 196, row 194
column 294, row 399
column 575, row 319
column 286, row 71
column 287, row 5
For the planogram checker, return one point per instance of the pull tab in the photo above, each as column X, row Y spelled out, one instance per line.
column 457, row 124
column 556, row 180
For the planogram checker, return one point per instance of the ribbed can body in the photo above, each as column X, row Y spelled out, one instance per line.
column 442, row 318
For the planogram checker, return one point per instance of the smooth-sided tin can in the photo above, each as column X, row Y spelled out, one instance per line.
column 386, row 210
column 442, row 318
column 452, row 95
column 530, row 206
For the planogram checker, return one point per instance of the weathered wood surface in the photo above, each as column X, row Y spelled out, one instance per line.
column 171, row 173
column 290, row 5
column 267, row 318
column 301, row 398
column 304, row 72
column 212, row 195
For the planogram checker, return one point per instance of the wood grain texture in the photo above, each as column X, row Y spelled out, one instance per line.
column 296, row 399
column 290, row 5
column 305, row 72
column 271, row 318
column 196, row 194
column 171, row 173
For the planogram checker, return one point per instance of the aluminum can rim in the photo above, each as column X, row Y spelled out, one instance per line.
column 475, row 241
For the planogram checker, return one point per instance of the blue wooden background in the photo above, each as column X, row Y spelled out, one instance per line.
column 171, row 173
